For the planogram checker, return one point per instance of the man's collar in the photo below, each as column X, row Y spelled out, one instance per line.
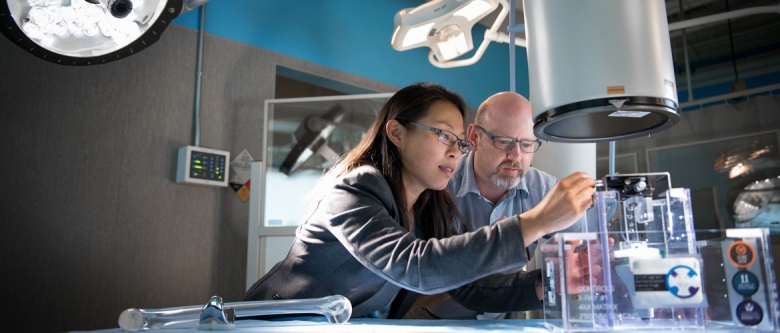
column 464, row 181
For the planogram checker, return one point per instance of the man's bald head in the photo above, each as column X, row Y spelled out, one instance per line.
column 502, row 106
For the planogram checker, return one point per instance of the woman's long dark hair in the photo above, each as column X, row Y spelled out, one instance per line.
column 408, row 105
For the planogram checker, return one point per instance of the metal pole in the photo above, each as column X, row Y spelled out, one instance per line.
column 612, row 157
column 199, row 72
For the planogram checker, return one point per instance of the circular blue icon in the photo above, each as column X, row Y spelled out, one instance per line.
column 683, row 282
column 750, row 313
column 745, row 283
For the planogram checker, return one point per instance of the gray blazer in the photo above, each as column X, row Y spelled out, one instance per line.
column 352, row 244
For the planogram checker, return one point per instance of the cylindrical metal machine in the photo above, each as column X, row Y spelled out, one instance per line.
column 599, row 70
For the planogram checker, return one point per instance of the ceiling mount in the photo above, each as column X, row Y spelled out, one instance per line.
column 445, row 27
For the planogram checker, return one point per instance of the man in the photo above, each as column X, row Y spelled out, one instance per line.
column 495, row 180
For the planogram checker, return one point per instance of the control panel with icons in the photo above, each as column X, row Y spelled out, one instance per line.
column 202, row 166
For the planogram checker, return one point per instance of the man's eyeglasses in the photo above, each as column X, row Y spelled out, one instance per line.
column 448, row 138
column 506, row 143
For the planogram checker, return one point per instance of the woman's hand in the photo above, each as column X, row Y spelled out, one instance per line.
column 563, row 206
column 583, row 262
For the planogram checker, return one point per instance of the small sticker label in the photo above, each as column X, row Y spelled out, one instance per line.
column 683, row 281
column 669, row 85
column 629, row 114
column 741, row 254
column 243, row 191
column 551, row 285
column 745, row 283
column 750, row 313
column 613, row 90
column 650, row 282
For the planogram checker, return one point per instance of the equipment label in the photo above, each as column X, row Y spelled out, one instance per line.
column 629, row 114
column 745, row 283
column 611, row 90
column 667, row 282
column 650, row 282
column 741, row 254
column 750, row 313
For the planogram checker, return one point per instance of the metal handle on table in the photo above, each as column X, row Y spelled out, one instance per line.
column 336, row 309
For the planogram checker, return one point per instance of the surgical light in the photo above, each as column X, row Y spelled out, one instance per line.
column 88, row 32
column 117, row 8
column 759, row 202
column 445, row 27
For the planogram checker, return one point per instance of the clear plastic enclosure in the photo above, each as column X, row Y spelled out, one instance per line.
column 647, row 268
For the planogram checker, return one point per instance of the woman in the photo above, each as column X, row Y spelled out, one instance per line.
column 383, row 221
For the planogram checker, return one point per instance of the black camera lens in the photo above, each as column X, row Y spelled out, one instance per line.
column 120, row 8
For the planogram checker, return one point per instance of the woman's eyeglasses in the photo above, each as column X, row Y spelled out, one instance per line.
column 506, row 143
column 448, row 138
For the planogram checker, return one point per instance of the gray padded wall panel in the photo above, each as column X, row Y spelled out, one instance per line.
column 92, row 219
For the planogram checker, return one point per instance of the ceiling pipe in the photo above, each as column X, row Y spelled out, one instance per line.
column 724, row 16
column 199, row 73
column 685, row 53
column 729, row 96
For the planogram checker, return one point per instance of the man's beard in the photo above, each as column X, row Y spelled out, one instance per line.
column 507, row 181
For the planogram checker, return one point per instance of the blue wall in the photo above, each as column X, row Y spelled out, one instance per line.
column 354, row 37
